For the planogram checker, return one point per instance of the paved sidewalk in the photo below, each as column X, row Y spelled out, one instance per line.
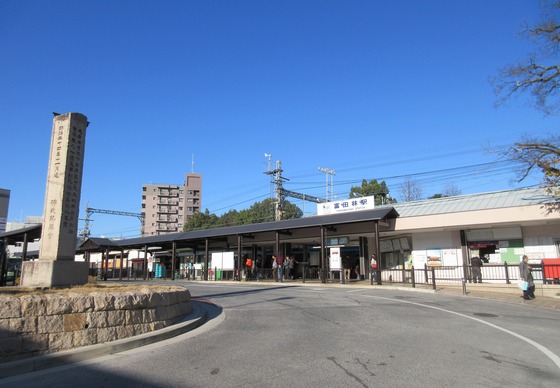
column 547, row 296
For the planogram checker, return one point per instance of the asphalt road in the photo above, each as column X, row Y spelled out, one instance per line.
column 313, row 336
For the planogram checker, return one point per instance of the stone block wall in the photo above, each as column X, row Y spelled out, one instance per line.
column 36, row 323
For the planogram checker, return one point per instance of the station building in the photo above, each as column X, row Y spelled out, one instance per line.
column 499, row 226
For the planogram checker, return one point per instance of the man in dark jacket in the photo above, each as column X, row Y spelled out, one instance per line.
column 476, row 263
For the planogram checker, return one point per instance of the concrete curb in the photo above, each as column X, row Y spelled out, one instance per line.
column 191, row 321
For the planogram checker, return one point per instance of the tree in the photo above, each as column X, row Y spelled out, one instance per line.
column 262, row 211
column 543, row 154
column 201, row 220
column 379, row 190
column 258, row 212
column 410, row 190
column 539, row 73
column 230, row 218
column 291, row 211
column 450, row 190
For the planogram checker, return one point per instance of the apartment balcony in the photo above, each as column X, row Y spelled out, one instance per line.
column 167, row 210
column 167, row 219
column 166, row 228
column 166, row 201
column 169, row 194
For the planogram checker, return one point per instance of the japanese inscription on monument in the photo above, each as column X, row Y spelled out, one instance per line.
column 64, row 181
column 56, row 265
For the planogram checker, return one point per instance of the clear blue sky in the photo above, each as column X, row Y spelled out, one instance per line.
column 370, row 89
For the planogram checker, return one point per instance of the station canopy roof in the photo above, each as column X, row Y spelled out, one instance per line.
column 306, row 228
column 18, row 235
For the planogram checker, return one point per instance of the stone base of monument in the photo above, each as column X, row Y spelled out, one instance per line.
column 53, row 273
column 39, row 322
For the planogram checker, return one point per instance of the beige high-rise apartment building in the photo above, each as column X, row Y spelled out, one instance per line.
column 166, row 208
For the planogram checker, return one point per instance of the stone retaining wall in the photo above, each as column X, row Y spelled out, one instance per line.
column 36, row 323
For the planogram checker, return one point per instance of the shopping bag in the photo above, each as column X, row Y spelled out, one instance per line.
column 522, row 284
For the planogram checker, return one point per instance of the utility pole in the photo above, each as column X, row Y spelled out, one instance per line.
column 332, row 173
column 282, row 193
column 277, row 180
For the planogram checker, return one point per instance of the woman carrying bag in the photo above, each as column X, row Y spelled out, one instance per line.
column 528, row 286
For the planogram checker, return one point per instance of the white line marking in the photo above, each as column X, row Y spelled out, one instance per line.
column 555, row 359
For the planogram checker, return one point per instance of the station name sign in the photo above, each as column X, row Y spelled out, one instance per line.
column 346, row 205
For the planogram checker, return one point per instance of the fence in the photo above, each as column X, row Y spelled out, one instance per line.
column 491, row 273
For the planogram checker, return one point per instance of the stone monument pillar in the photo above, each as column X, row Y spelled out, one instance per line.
column 56, row 265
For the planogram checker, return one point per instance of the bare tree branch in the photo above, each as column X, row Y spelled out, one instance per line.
column 539, row 74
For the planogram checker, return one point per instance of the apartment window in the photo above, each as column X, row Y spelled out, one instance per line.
column 143, row 206
column 189, row 209
column 180, row 199
column 144, row 188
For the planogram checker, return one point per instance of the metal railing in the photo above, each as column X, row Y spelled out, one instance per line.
column 430, row 276
column 491, row 273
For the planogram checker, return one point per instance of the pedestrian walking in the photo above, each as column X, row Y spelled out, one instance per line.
column 287, row 264
column 248, row 268
column 526, row 275
column 373, row 267
column 274, row 268
column 293, row 263
column 280, row 268
column 347, row 265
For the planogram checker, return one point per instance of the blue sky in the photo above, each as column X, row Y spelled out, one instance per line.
column 371, row 89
